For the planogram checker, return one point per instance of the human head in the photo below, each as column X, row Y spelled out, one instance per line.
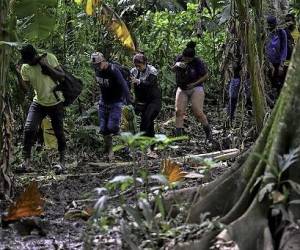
column 29, row 54
column 98, row 61
column 290, row 21
column 189, row 52
column 272, row 22
column 140, row 61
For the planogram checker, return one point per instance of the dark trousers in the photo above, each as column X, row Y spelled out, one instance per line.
column 34, row 119
column 110, row 117
column 148, row 115
column 277, row 78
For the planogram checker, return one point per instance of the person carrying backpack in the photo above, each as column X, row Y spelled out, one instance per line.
column 191, row 73
column 114, row 93
column 276, row 53
column 45, row 102
column 147, row 94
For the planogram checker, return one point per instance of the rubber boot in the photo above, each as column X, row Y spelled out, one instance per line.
column 179, row 132
column 60, row 167
column 108, row 147
column 208, row 132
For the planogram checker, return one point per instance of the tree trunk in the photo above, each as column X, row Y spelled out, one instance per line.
column 5, row 112
column 236, row 199
column 252, row 44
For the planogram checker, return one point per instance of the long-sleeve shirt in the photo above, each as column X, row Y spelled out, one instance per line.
column 276, row 46
column 147, row 90
column 112, row 84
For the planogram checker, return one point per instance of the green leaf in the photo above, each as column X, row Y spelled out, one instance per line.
column 25, row 8
column 100, row 205
column 160, row 205
column 11, row 44
column 294, row 185
column 136, row 215
column 160, row 178
column 40, row 27
column 147, row 211
column 265, row 190
column 121, row 178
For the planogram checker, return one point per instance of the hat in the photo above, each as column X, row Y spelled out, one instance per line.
column 97, row 57
column 272, row 20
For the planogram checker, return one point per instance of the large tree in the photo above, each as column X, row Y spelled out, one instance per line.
column 5, row 112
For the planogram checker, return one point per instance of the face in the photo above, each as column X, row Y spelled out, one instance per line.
column 140, row 66
column 101, row 66
column 271, row 26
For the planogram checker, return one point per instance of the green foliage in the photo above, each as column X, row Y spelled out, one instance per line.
column 163, row 35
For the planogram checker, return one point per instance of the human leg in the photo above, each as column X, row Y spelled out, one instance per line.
column 181, row 103
column 197, row 100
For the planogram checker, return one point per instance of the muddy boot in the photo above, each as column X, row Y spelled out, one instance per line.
column 108, row 147
column 60, row 167
column 179, row 132
column 25, row 167
column 208, row 132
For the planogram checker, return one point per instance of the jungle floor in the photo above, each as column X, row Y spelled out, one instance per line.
column 73, row 190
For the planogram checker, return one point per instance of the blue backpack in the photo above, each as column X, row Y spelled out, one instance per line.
column 273, row 45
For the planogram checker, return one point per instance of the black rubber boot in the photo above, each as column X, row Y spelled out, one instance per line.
column 179, row 132
column 208, row 132
column 108, row 147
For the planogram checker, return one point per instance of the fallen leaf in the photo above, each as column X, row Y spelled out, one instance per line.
column 29, row 203
column 172, row 171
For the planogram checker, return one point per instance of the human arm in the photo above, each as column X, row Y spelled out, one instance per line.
column 124, row 85
column 198, row 81
column 23, row 78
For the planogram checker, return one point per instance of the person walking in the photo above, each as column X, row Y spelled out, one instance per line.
column 191, row 73
column 46, row 102
column 114, row 94
column 147, row 93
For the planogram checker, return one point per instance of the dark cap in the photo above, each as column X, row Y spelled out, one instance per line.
column 272, row 20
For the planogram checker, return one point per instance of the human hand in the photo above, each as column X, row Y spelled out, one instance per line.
column 135, row 80
column 18, row 68
column 180, row 64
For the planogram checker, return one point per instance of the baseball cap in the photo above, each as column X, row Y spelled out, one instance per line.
column 272, row 20
column 97, row 57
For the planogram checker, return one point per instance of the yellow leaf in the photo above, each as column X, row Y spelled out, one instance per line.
column 48, row 134
column 89, row 7
column 78, row 1
column 115, row 24
column 172, row 171
column 29, row 203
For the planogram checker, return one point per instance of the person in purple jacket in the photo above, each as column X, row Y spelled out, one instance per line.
column 191, row 73
column 276, row 53
column 114, row 93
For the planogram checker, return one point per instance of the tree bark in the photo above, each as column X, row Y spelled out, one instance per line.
column 5, row 112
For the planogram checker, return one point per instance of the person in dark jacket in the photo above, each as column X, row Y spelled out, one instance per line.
column 114, row 93
column 147, row 93
column 276, row 53
column 191, row 73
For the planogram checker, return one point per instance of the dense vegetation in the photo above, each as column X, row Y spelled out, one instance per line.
column 139, row 204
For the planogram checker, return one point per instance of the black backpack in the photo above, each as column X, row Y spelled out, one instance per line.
column 290, row 44
column 71, row 88
column 123, row 69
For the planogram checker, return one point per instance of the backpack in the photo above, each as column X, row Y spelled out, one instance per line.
column 71, row 87
column 124, row 71
column 273, row 45
column 290, row 44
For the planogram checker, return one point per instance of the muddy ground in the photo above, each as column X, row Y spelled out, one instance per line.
column 74, row 189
